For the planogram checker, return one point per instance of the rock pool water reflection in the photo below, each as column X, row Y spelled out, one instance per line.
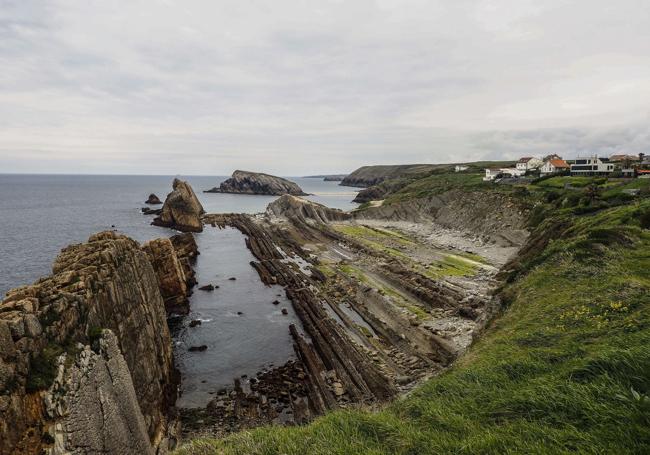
column 237, row 344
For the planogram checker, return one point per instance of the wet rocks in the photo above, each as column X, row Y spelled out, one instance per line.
column 181, row 210
column 150, row 211
column 276, row 302
column 153, row 200
column 200, row 348
column 195, row 322
column 171, row 276
column 289, row 206
column 285, row 311
column 232, row 278
column 244, row 182
column 207, row 287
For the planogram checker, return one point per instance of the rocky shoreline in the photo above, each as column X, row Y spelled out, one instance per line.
column 382, row 305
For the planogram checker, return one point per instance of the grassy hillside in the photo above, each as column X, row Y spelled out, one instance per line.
column 565, row 368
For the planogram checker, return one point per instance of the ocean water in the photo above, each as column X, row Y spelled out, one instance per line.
column 40, row 214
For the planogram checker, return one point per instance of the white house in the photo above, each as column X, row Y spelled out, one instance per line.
column 592, row 166
column 461, row 168
column 493, row 173
column 528, row 163
column 553, row 166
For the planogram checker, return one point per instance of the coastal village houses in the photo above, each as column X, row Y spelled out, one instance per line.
column 592, row 166
column 528, row 163
column 554, row 166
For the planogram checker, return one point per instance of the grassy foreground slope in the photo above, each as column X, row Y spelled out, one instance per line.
column 565, row 368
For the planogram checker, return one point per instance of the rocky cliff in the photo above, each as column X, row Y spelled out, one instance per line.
column 243, row 182
column 86, row 356
column 181, row 210
column 296, row 207
column 372, row 175
column 495, row 216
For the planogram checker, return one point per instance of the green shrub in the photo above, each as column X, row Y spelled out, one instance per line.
column 644, row 218
column 42, row 368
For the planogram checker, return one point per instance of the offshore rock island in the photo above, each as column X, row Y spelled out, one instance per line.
column 244, row 182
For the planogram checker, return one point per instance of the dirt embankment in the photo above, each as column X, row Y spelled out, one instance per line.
column 490, row 216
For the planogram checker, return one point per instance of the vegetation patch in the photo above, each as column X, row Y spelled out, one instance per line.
column 43, row 368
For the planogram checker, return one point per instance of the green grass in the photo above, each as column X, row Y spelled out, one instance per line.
column 451, row 265
column 565, row 369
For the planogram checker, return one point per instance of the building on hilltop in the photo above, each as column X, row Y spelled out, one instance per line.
column 554, row 166
column 592, row 166
column 528, row 163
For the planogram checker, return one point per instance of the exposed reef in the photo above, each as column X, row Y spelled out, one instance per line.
column 181, row 210
column 380, row 309
column 86, row 361
column 243, row 182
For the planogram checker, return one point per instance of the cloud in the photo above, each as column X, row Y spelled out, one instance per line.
column 199, row 86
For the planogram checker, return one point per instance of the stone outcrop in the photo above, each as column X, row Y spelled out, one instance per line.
column 181, row 210
column 153, row 200
column 87, row 349
column 296, row 207
column 243, row 182
column 186, row 251
column 372, row 175
column 170, row 274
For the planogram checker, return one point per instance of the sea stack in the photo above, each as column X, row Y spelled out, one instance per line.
column 244, row 182
column 181, row 210
column 153, row 200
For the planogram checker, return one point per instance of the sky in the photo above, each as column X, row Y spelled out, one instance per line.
column 307, row 87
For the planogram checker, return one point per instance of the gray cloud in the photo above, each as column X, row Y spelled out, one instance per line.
column 198, row 86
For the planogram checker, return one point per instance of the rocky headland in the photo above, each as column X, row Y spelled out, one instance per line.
column 181, row 210
column 86, row 361
column 367, row 176
column 244, row 182
column 299, row 208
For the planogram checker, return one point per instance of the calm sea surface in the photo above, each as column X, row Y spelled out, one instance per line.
column 40, row 214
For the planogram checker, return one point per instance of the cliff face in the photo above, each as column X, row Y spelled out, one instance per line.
column 296, row 207
column 488, row 214
column 85, row 355
column 372, row 175
column 243, row 182
column 181, row 210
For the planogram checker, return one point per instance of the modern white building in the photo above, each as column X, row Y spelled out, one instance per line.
column 592, row 166
column 493, row 173
column 528, row 163
column 461, row 168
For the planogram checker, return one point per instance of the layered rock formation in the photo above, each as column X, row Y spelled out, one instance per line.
column 86, row 356
column 372, row 175
column 174, row 272
column 488, row 214
column 181, row 210
column 295, row 207
column 243, row 182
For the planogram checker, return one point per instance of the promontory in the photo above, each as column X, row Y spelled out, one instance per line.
column 244, row 182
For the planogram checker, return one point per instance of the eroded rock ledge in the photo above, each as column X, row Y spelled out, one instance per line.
column 86, row 356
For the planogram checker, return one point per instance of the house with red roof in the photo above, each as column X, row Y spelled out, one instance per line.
column 554, row 166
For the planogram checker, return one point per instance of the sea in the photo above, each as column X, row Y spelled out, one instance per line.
column 243, row 330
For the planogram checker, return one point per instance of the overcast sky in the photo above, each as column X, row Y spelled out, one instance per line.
column 301, row 87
